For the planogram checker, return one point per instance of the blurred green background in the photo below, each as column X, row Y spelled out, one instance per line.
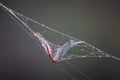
column 96, row 22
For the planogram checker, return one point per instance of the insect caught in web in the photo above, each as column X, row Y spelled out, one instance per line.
column 57, row 45
column 47, row 47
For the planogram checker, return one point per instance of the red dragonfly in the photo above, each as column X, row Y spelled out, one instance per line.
column 48, row 48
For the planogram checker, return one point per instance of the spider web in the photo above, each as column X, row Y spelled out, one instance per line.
column 62, row 45
column 69, row 47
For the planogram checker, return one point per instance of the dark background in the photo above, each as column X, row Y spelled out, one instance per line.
column 96, row 22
